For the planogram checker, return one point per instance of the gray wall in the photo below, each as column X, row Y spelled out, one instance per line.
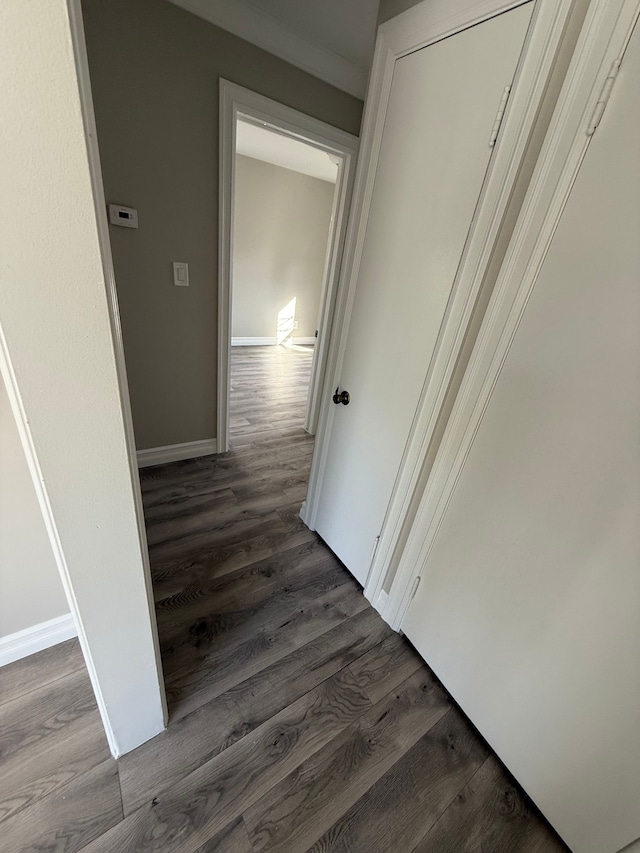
column 30, row 586
column 390, row 8
column 281, row 229
column 154, row 72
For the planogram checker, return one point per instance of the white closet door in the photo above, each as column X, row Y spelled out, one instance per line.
column 529, row 604
column 434, row 156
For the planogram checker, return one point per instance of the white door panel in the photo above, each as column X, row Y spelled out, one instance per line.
column 433, row 160
column 529, row 604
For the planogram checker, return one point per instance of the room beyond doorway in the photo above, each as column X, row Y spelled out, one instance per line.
column 285, row 188
column 283, row 200
column 284, row 194
column 268, row 403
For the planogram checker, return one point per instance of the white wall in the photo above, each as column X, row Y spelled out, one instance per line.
column 281, row 229
column 30, row 587
column 58, row 359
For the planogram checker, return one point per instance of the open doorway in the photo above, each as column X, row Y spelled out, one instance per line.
column 284, row 194
column 285, row 187
column 239, row 580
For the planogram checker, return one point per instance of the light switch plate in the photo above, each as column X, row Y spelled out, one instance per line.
column 180, row 274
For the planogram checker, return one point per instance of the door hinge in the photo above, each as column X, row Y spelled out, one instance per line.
column 499, row 116
column 316, row 335
column 603, row 100
column 414, row 588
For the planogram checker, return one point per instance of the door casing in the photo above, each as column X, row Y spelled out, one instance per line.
column 237, row 102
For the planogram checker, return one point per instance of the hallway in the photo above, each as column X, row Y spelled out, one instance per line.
column 322, row 729
column 298, row 720
column 224, row 529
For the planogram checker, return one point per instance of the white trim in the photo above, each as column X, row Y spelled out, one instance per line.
column 176, row 452
column 418, row 27
column 267, row 32
column 318, row 388
column 93, row 155
column 433, row 20
column 272, row 342
column 604, row 37
column 22, row 424
column 236, row 101
column 380, row 603
column 31, row 640
column 528, row 91
column 254, row 342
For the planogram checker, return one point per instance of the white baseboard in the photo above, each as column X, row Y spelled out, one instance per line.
column 175, row 452
column 271, row 342
column 31, row 640
column 254, row 342
column 380, row 604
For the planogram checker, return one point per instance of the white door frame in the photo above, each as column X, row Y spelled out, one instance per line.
column 154, row 707
column 104, row 239
column 418, row 27
column 607, row 30
column 238, row 102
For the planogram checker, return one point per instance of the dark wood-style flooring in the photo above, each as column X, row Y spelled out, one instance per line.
column 298, row 720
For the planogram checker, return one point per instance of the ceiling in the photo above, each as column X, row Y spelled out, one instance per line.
column 263, row 144
column 331, row 39
column 346, row 28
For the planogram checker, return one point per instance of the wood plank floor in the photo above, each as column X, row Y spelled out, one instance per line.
column 298, row 720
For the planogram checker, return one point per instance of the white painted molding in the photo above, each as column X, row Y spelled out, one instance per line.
column 254, row 342
column 37, row 477
column 235, row 102
column 424, row 24
column 31, row 640
column 175, row 452
column 528, row 91
column 93, row 155
column 271, row 342
column 381, row 603
column 265, row 31
column 603, row 39
column 303, row 513
column 433, row 20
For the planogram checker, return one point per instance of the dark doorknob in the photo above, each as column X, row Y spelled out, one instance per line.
column 342, row 397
